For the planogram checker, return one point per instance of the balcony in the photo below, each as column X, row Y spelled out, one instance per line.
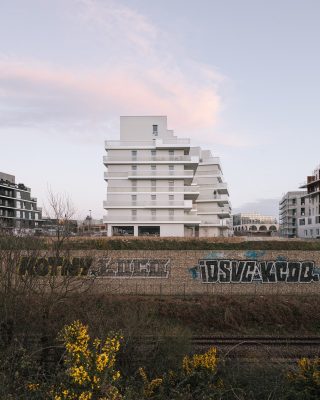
column 149, row 144
column 185, row 160
column 150, row 174
column 120, row 219
column 185, row 204
column 219, row 224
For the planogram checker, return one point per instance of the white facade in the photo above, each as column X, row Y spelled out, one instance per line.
column 292, row 207
column 159, row 185
column 254, row 224
column 309, row 225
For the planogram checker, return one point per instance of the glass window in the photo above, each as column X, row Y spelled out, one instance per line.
column 155, row 130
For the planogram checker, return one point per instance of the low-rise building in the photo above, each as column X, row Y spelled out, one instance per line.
column 18, row 209
column 254, row 224
column 292, row 207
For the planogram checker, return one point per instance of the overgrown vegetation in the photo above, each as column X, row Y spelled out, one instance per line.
column 78, row 243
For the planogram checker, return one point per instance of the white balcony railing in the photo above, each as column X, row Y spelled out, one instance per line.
column 176, row 218
column 157, row 142
column 150, row 174
column 151, row 159
column 155, row 189
column 148, row 204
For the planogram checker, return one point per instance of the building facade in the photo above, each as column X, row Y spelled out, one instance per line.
column 254, row 224
column 159, row 185
column 292, row 207
column 18, row 209
column 309, row 225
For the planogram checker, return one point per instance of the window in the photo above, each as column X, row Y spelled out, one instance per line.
column 133, row 167
column 153, row 153
column 171, row 169
column 134, row 198
column 309, row 221
column 302, row 221
column 171, row 213
column 18, row 195
column 134, row 214
column 302, row 211
column 153, row 197
column 153, row 184
column 18, row 204
column 171, row 197
column 153, row 214
column 171, row 186
column 134, row 186
column 171, row 153
column 155, row 130
column 18, row 214
column 134, row 153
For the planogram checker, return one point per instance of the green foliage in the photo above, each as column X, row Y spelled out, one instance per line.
column 36, row 243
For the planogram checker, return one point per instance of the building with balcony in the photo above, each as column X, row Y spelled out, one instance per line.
column 18, row 209
column 254, row 224
column 160, row 185
column 292, row 207
column 309, row 225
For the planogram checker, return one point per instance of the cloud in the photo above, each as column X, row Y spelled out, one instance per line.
column 142, row 75
column 262, row 206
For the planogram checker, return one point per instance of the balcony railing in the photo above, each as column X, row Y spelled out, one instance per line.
column 150, row 174
column 157, row 142
column 176, row 218
column 151, row 159
column 155, row 189
column 148, row 204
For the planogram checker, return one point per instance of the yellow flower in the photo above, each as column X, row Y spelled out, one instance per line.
column 206, row 361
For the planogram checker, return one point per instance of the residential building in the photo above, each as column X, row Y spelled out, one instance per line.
column 159, row 185
column 18, row 209
column 291, row 208
column 254, row 224
column 309, row 225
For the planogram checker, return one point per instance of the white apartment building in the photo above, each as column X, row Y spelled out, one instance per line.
column 309, row 226
column 292, row 207
column 159, row 185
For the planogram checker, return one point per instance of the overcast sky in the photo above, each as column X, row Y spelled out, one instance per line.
column 238, row 77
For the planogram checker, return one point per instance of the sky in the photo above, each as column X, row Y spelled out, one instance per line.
column 240, row 78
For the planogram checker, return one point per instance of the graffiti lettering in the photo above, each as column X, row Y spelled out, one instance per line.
column 249, row 271
column 133, row 268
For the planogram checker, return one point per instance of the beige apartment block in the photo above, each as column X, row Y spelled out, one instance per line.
column 158, row 185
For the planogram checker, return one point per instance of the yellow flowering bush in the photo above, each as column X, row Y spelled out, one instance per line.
column 207, row 361
column 306, row 378
column 90, row 366
column 149, row 387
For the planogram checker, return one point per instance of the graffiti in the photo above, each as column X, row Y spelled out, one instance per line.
column 132, row 268
column 253, row 271
column 86, row 266
column 253, row 255
column 194, row 272
column 214, row 255
column 55, row 266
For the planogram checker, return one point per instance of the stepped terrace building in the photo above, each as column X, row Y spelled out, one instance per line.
column 159, row 185
column 18, row 209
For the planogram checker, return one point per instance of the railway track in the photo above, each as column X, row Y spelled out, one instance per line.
column 249, row 348
column 289, row 348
